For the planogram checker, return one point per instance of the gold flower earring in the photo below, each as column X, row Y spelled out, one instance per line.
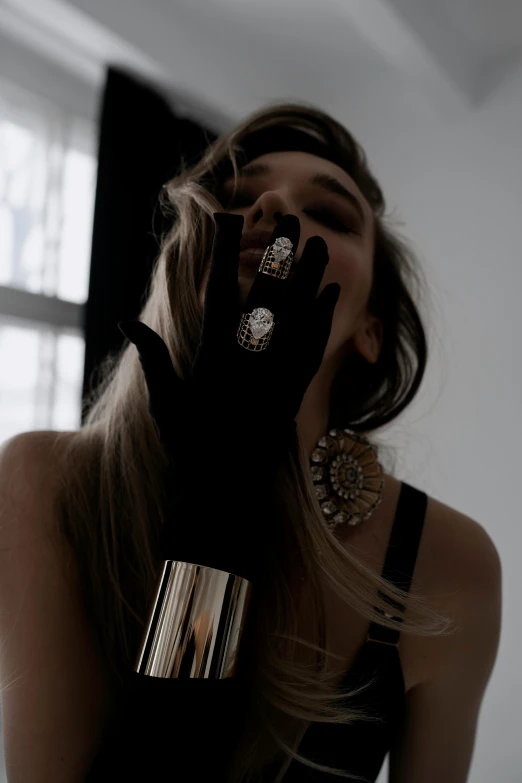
column 347, row 476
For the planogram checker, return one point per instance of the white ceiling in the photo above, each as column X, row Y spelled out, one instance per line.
column 477, row 42
column 225, row 57
column 494, row 26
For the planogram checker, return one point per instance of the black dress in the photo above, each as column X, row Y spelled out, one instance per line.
column 361, row 748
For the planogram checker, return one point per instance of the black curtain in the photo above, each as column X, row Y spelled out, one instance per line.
column 141, row 142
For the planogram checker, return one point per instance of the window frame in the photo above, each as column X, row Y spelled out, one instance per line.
column 40, row 309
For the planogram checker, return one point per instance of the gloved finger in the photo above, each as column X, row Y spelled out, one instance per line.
column 305, row 283
column 318, row 333
column 220, row 312
column 163, row 384
column 266, row 290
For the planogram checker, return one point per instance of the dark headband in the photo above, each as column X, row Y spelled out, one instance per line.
column 283, row 139
column 279, row 138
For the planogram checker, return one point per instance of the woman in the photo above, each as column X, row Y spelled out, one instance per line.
column 328, row 685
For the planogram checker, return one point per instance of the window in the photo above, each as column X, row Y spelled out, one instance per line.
column 47, row 187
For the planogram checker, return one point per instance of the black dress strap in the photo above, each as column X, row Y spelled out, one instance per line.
column 401, row 555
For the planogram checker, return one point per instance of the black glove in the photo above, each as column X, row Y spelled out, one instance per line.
column 171, row 731
column 225, row 428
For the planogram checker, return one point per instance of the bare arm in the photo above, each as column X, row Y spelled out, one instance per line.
column 438, row 735
column 54, row 694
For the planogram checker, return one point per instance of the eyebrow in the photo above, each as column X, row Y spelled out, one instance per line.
column 324, row 181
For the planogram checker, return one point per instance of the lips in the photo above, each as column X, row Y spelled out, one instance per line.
column 253, row 245
column 251, row 257
column 255, row 238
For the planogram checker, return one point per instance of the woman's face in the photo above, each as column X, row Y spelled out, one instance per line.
column 344, row 222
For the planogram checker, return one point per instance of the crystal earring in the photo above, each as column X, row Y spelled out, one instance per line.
column 347, row 476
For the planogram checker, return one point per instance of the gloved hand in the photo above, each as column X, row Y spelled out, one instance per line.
column 224, row 429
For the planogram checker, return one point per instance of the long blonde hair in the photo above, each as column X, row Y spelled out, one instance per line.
column 112, row 493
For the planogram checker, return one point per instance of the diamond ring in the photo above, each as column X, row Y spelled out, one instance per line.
column 277, row 259
column 255, row 329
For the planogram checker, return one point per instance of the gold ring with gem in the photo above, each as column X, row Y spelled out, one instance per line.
column 277, row 259
column 255, row 329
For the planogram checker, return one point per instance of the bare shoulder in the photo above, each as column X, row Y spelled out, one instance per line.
column 30, row 455
column 457, row 570
column 30, row 465
column 456, row 552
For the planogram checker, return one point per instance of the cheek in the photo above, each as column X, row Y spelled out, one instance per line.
column 353, row 272
column 352, row 269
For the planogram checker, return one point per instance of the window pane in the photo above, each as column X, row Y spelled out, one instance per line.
column 47, row 186
column 75, row 247
column 40, row 387
column 70, row 354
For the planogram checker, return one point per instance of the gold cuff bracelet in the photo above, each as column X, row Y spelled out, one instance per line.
column 195, row 624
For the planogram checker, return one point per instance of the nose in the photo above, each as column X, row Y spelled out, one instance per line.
column 269, row 208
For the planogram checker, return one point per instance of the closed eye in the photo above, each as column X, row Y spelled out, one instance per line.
column 330, row 219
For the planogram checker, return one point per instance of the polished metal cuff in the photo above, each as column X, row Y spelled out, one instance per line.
column 195, row 624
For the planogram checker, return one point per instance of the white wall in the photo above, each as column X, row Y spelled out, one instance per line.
column 34, row 72
column 455, row 183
